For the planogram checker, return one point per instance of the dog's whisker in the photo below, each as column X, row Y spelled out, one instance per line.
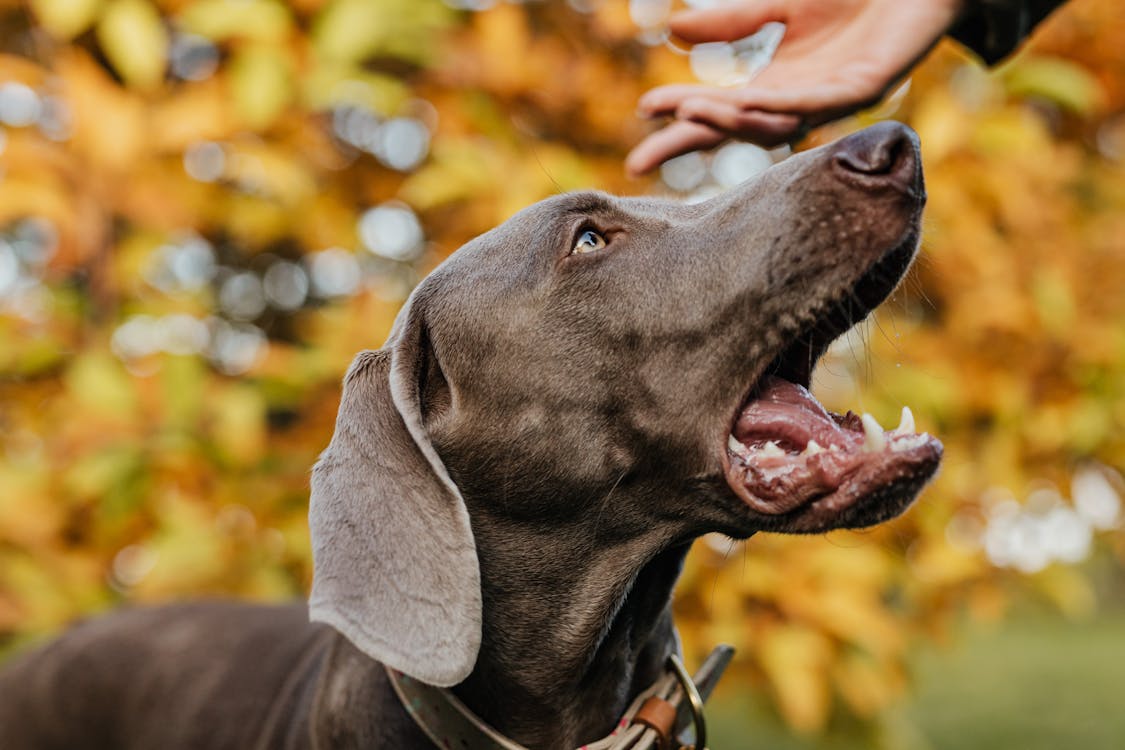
column 715, row 580
column 605, row 503
column 559, row 190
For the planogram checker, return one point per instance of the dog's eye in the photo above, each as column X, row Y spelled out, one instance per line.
column 588, row 242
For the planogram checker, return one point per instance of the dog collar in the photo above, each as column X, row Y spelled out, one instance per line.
column 658, row 718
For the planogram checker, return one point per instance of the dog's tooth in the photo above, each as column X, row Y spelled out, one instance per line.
column 873, row 438
column 812, row 449
column 771, row 449
column 909, row 442
column 734, row 446
column 906, row 424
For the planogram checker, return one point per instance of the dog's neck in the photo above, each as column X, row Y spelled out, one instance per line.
column 565, row 651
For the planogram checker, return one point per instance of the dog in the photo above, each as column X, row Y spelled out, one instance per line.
column 514, row 480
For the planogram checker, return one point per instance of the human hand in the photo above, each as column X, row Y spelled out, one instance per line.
column 837, row 57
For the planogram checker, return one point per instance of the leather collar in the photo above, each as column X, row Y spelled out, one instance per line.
column 660, row 718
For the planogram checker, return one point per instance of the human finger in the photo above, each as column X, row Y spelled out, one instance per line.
column 764, row 128
column 672, row 140
column 664, row 100
column 804, row 99
column 728, row 22
column 783, row 87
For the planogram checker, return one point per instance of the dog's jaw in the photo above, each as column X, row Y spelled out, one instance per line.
column 789, row 458
column 795, row 467
column 802, row 469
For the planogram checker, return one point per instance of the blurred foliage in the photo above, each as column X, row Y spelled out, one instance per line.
column 207, row 207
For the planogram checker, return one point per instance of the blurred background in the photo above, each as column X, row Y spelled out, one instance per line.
column 207, row 207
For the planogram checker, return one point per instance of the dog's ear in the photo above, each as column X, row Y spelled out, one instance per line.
column 395, row 565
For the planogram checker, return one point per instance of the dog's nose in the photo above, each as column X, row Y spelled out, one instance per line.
column 887, row 149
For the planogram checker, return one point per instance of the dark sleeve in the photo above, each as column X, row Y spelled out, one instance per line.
column 994, row 28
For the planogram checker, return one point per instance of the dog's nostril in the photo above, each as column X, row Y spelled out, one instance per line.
column 877, row 150
column 877, row 158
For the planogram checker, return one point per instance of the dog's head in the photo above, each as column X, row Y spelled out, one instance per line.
column 616, row 367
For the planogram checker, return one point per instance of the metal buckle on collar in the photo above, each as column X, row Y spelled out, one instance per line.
column 695, row 701
column 448, row 722
column 698, row 689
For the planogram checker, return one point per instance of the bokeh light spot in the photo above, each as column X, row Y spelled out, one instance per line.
column 391, row 231
column 241, row 296
column 19, row 104
column 205, row 161
column 235, row 348
column 334, row 273
column 402, row 143
column 193, row 58
column 286, row 285
column 735, row 163
column 685, row 172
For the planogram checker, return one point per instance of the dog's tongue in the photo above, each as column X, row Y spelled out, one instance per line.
column 788, row 415
column 785, row 450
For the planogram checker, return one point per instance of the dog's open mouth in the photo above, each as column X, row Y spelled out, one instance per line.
column 786, row 454
column 787, row 451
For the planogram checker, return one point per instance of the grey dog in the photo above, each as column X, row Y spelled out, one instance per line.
column 516, row 476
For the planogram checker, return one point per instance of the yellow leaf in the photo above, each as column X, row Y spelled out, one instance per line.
column 941, row 125
column 936, row 562
column 796, row 660
column 110, row 123
column 332, row 84
column 458, row 169
column 239, row 424
column 66, row 18
column 1009, row 134
column 182, row 380
column 271, row 171
column 200, row 112
column 866, row 685
column 27, row 515
column 100, row 386
column 348, row 30
column 254, row 221
column 188, row 554
column 260, row 80
column 1063, row 82
column 131, row 34
column 1054, row 301
column 109, row 471
column 351, row 30
column 1069, row 589
column 43, row 598
column 262, row 20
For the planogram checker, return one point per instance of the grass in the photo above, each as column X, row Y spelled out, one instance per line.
column 1037, row 684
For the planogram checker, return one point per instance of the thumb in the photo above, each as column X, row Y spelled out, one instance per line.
column 728, row 22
